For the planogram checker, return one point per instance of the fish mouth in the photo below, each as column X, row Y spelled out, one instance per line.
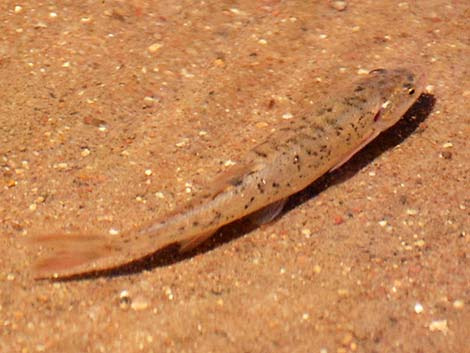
column 421, row 77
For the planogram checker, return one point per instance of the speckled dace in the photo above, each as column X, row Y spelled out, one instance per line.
column 291, row 158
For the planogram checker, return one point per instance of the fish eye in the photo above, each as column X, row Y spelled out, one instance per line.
column 411, row 91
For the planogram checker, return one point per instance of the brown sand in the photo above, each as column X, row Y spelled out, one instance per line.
column 113, row 112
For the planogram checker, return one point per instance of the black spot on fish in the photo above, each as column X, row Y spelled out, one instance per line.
column 331, row 121
column 237, row 181
column 318, row 128
column 261, row 154
column 359, row 88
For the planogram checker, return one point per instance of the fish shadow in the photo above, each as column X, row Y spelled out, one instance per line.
column 409, row 124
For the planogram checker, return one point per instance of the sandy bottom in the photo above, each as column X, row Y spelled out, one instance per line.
column 114, row 112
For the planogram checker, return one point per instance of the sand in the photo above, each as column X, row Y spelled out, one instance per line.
column 114, row 112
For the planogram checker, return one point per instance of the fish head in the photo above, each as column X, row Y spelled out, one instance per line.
column 400, row 88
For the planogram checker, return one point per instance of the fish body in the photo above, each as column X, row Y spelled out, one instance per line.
column 299, row 152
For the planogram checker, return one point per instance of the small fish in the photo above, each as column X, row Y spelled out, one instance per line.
column 298, row 153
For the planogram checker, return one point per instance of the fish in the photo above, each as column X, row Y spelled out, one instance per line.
column 317, row 141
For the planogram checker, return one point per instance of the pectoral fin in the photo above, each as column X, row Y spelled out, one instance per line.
column 268, row 213
column 350, row 154
column 193, row 242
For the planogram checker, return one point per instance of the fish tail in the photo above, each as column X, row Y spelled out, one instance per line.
column 65, row 254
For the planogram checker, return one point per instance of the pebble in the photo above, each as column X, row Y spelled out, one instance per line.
column 287, row 116
column 154, row 47
column 219, row 62
column 18, row 9
column 429, row 89
column 383, row 223
column 439, row 325
column 420, row 243
column 124, row 299
column 418, row 308
column 149, row 101
column 411, row 212
column 339, row 5
column 458, row 304
column 168, row 293
column 114, row 231
column 139, row 303
column 338, row 220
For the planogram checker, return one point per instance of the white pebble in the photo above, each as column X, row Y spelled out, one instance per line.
column 418, row 308
column 339, row 5
column 114, row 231
column 139, row 303
column 154, row 47
column 229, row 163
column 287, row 116
column 429, row 88
column 411, row 212
column 439, row 325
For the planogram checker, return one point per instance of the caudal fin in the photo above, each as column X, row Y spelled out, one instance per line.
column 66, row 255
